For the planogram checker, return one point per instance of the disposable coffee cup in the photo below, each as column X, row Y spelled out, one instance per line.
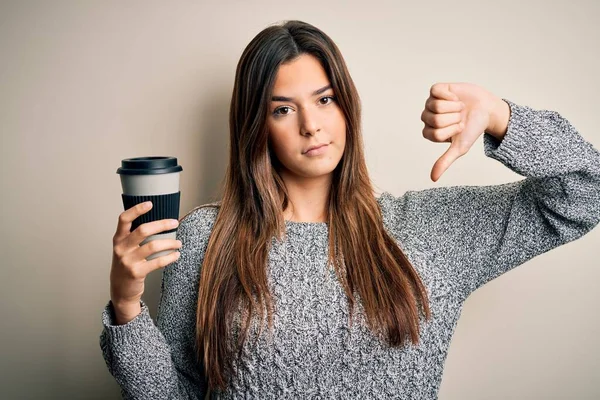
column 154, row 179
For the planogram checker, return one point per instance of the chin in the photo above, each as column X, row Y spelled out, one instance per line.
column 317, row 172
column 310, row 168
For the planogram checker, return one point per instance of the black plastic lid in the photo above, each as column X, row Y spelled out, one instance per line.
column 149, row 166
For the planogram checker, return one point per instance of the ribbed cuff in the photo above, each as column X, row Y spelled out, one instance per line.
column 138, row 328
column 514, row 144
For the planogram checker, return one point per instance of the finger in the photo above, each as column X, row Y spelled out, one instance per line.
column 128, row 216
column 443, row 106
column 444, row 162
column 159, row 262
column 440, row 120
column 442, row 135
column 154, row 246
column 150, row 228
column 443, row 91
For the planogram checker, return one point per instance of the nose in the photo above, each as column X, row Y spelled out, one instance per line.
column 309, row 122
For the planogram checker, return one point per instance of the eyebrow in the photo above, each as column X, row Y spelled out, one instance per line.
column 316, row 92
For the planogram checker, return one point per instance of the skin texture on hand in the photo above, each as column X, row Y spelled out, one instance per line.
column 459, row 113
column 499, row 119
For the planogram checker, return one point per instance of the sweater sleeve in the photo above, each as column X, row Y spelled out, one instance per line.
column 157, row 361
column 477, row 233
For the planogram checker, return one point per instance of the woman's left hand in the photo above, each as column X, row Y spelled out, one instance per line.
column 459, row 113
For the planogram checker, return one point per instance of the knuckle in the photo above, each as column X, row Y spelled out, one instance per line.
column 174, row 256
column 119, row 251
column 132, row 272
column 166, row 223
column 153, row 246
column 161, row 262
column 126, row 264
column 433, row 88
column 144, row 230
column 427, row 118
column 438, row 135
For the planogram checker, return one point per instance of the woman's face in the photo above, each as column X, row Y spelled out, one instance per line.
column 305, row 119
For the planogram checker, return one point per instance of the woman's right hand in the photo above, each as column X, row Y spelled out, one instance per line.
column 129, row 266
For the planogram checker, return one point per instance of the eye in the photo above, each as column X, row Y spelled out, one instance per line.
column 277, row 113
column 328, row 97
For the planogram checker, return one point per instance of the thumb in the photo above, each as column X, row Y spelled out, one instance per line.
column 444, row 162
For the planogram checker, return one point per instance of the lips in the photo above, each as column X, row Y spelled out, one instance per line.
column 318, row 146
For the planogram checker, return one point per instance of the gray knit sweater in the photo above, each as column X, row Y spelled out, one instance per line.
column 457, row 238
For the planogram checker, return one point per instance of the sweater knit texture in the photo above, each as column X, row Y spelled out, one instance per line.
column 457, row 238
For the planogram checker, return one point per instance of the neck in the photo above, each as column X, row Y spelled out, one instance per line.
column 308, row 198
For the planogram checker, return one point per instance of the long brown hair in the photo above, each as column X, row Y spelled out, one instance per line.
column 366, row 258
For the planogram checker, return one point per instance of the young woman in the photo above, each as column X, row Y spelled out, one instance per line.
column 300, row 282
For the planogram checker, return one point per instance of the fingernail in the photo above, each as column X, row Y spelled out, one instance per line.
column 147, row 204
column 174, row 222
